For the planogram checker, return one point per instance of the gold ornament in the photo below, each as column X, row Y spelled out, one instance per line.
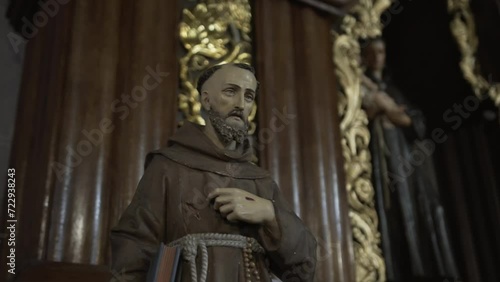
column 464, row 30
column 212, row 33
column 362, row 22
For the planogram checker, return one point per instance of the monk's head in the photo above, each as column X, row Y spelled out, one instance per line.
column 374, row 55
column 227, row 93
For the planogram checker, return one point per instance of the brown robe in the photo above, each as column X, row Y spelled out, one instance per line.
column 170, row 202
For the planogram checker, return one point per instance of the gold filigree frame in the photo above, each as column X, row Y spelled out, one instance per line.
column 463, row 29
column 362, row 22
column 212, row 32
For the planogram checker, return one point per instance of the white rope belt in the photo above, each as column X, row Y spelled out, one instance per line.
column 191, row 242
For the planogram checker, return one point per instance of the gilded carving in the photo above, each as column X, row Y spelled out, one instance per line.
column 213, row 32
column 362, row 22
column 463, row 28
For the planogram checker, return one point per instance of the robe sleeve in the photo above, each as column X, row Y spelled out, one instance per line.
column 293, row 254
column 417, row 129
column 136, row 238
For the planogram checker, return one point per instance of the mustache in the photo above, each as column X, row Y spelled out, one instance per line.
column 235, row 113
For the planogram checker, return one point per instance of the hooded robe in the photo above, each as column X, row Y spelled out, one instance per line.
column 171, row 202
column 415, row 238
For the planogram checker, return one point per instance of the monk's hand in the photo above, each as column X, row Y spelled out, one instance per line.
column 398, row 116
column 239, row 205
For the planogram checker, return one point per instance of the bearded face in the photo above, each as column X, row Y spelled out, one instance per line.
column 228, row 132
column 228, row 98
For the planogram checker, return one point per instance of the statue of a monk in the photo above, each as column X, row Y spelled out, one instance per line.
column 415, row 237
column 203, row 190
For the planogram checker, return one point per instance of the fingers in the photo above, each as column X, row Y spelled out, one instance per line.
column 222, row 200
column 221, row 191
column 226, row 209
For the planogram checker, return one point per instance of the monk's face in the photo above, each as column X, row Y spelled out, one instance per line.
column 230, row 93
column 375, row 56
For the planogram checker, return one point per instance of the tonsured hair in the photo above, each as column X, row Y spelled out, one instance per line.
column 207, row 74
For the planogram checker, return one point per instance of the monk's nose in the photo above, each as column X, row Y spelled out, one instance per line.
column 240, row 101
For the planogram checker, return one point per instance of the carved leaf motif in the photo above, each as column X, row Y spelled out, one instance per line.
column 363, row 21
column 463, row 29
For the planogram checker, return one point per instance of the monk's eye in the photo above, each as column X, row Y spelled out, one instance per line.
column 249, row 97
column 230, row 91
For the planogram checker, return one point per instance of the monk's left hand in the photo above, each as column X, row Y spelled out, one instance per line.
column 239, row 205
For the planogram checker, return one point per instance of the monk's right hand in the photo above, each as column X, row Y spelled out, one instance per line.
column 239, row 205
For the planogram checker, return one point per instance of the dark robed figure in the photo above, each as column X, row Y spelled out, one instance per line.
column 204, row 183
column 415, row 239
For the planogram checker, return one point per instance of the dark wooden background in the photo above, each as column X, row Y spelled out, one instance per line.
column 77, row 69
column 424, row 61
column 93, row 52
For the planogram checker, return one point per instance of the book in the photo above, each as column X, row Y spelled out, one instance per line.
column 165, row 265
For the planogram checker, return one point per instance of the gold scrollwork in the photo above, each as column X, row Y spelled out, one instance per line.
column 213, row 32
column 363, row 21
column 463, row 28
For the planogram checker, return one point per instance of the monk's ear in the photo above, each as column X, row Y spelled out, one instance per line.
column 205, row 100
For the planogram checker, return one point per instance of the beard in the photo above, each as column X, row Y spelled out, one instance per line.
column 226, row 131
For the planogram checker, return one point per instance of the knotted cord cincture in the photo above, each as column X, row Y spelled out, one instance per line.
column 192, row 242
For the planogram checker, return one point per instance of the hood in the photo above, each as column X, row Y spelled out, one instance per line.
column 191, row 136
column 191, row 147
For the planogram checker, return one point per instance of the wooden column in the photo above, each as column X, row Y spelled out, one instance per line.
column 99, row 91
column 299, row 133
